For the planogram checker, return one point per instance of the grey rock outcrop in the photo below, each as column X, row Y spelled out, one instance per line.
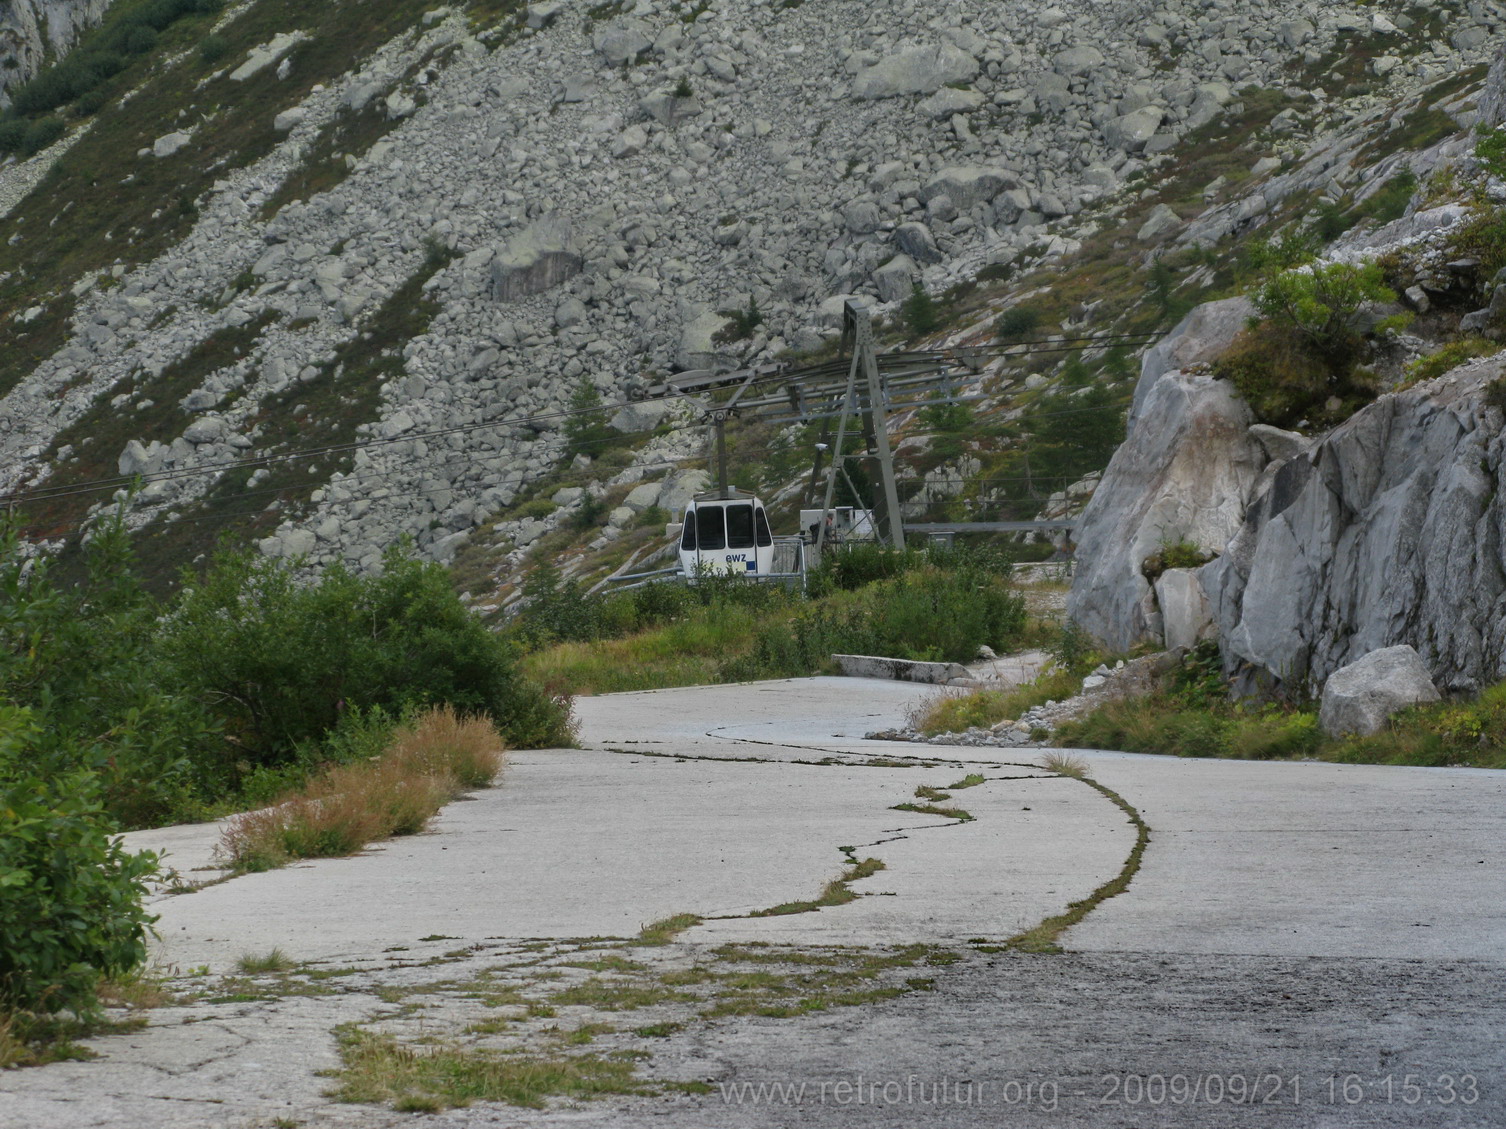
column 1390, row 530
column 1185, row 473
column 1361, row 697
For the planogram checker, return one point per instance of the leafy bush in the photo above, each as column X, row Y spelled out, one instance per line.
column 926, row 614
column 71, row 910
column 859, row 564
column 282, row 659
column 213, row 48
column 1284, row 381
column 1016, row 322
column 81, row 659
column 1321, row 303
column 1292, row 248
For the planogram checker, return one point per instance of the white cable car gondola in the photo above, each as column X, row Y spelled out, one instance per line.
column 726, row 535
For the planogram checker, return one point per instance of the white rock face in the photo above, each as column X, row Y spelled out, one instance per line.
column 1361, row 697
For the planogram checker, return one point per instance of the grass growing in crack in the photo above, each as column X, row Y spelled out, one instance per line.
column 430, row 761
column 931, row 795
column 933, row 809
column 273, row 961
column 835, row 894
column 665, row 931
column 971, row 780
column 377, row 1069
column 1045, row 937
column 1065, row 764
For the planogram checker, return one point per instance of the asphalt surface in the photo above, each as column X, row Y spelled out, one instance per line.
column 1302, row 945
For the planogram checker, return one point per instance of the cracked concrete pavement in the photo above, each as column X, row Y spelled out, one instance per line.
column 1338, row 929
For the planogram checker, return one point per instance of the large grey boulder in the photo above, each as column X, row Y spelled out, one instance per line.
column 698, row 345
column 540, row 257
column 1361, row 697
column 1186, row 473
column 896, row 279
column 968, row 185
column 1131, row 131
column 1186, row 618
column 915, row 70
column 1390, row 530
column 621, row 41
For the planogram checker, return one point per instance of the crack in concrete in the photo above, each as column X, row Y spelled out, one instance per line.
column 1044, row 936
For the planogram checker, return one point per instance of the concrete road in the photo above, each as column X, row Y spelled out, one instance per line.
column 1302, row 944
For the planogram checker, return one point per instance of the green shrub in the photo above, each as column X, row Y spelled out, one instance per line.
column 42, row 133
column 1495, row 394
column 1284, row 381
column 70, row 895
column 1481, row 237
column 1490, row 151
column 82, row 659
column 1321, row 303
column 213, row 48
column 859, row 564
column 927, row 614
column 1292, row 248
column 12, row 135
column 1016, row 322
column 283, row 659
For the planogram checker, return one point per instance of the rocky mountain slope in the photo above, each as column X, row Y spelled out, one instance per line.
column 326, row 277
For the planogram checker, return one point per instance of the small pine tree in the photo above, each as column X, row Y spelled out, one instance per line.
column 920, row 312
column 586, row 428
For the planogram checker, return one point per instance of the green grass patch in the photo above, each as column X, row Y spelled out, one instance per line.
column 1448, row 358
column 665, row 931
column 1465, row 732
column 952, row 711
column 378, row 1070
column 615, row 995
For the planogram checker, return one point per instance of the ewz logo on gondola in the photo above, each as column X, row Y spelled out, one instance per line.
column 742, row 559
